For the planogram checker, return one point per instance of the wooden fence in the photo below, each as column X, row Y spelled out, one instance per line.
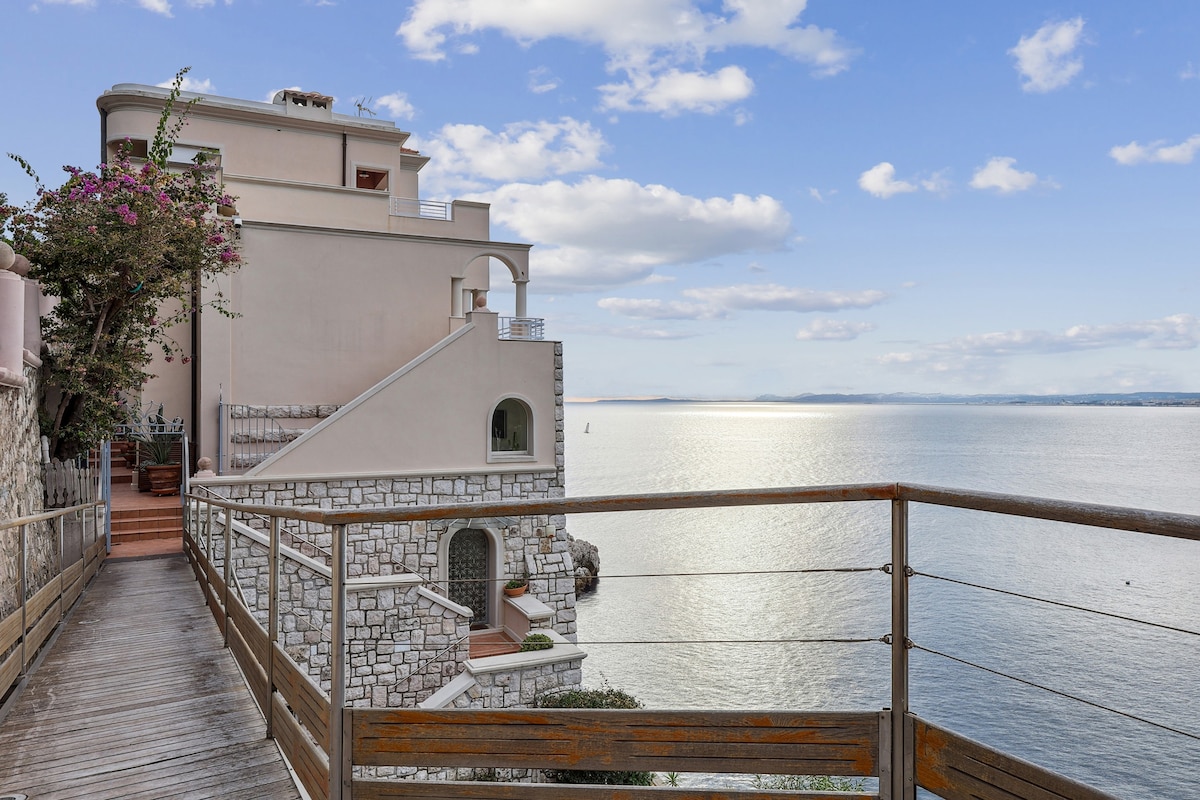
column 25, row 630
column 69, row 484
column 324, row 740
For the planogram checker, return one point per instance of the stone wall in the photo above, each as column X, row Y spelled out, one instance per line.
column 538, row 546
column 21, row 492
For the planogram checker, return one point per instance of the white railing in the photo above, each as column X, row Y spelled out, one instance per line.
column 425, row 209
column 530, row 329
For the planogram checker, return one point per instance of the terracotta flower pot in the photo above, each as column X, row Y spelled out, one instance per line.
column 517, row 592
column 164, row 478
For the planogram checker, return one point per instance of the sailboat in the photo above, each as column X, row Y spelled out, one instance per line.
column 587, row 428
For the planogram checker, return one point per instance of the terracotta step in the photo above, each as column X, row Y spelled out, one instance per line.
column 148, row 523
column 492, row 643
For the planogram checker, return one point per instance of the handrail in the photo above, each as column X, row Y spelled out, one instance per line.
column 1160, row 523
column 893, row 728
column 47, row 515
column 265, row 518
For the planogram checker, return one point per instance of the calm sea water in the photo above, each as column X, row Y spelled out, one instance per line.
column 1140, row 457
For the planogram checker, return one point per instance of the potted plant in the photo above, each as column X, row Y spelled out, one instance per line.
column 516, row 587
column 157, row 440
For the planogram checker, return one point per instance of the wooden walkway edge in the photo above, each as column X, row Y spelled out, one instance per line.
column 138, row 699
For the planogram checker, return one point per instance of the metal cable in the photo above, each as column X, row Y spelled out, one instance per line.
column 735, row 641
column 1058, row 603
column 1057, row 692
column 690, row 574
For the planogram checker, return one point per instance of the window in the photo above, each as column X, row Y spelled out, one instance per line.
column 371, row 179
column 511, row 428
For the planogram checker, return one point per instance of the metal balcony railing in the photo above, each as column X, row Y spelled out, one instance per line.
column 528, row 329
column 425, row 209
column 894, row 746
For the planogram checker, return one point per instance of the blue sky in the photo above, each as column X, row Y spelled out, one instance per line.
column 749, row 197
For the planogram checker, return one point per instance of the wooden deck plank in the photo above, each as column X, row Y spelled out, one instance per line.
column 138, row 699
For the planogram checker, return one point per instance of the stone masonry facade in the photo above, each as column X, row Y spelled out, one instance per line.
column 22, row 493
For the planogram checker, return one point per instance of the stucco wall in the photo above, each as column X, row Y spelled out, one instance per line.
column 436, row 414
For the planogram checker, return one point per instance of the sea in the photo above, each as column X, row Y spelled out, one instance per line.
column 691, row 604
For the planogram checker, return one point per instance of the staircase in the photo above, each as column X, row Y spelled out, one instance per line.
column 141, row 516
column 255, row 433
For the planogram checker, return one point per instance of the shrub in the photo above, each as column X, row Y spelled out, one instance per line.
column 536, row 641
column 606, row 697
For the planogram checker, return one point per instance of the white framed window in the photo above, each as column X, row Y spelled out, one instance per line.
column 510, row 431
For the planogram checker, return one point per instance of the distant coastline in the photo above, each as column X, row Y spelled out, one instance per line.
column 1161, row 399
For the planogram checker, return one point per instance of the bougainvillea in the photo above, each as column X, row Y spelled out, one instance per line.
column 126, row 249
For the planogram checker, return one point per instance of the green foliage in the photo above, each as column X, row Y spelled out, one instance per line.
column 605, row 697
column 671, row 779
column 155, row 437
column 516, row 583
column 811, row 783
column 536, row 641
column 126, row 250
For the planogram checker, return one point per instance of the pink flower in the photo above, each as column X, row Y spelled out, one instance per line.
column 91, row 228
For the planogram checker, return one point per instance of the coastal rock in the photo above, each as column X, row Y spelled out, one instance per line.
column 587, row 565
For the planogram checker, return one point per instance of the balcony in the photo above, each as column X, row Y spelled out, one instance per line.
column 523, row 329
column 893, row 749
column 422, row 209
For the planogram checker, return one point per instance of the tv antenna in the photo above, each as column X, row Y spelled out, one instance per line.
column 363, row 106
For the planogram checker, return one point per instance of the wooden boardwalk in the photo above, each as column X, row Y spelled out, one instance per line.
column 138, row 699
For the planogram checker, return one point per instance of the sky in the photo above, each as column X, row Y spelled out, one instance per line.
column 739, row 198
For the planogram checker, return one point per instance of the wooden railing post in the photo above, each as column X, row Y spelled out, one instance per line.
column 62, row 560
column 903, row 780
column 272, row 620
column 228, row 569
column 338, row 776
column 21, row 598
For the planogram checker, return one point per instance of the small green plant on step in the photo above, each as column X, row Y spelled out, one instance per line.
column 536, row 641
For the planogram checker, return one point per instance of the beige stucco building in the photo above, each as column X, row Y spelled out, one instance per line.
column 363, row 367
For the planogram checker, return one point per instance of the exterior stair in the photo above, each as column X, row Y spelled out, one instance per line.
column 138, row 524
column 255, row 433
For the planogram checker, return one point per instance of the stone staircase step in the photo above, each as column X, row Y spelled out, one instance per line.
column 492, row 643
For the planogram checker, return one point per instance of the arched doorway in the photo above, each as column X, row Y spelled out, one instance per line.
column 468, row 572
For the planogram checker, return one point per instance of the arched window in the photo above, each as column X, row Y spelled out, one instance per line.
column 511, row 428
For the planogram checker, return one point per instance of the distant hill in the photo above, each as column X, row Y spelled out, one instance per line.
column 912, row 398
column 1131, row 399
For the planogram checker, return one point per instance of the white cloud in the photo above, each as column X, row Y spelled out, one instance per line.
column 1157, row 152
column 652, row 223
column 397, row 106
column 880, row 181
column 1175, row 332
column 190, row 84
column 833, row 330
column 659, row 309
column 1045, row 59
column 157, row 6
column 660, row 45
column 79, row 3
column 1189, row 73
column 1000, row 174
column 674, row 91
column 541, row 81
column 815, row 194
column 599, row 233
column 468, row 157
column 937, row 183
column 773, row 297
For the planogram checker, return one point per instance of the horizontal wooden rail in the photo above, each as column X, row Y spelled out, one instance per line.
column 451, row 790
column 767, row 742
column 1160, row 523
column 957, row 768
column 27, row 628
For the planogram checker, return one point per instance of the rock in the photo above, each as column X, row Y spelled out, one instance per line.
column 587, row 565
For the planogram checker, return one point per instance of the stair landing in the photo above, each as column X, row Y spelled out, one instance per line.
column 492, row 643
column 143, row 524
